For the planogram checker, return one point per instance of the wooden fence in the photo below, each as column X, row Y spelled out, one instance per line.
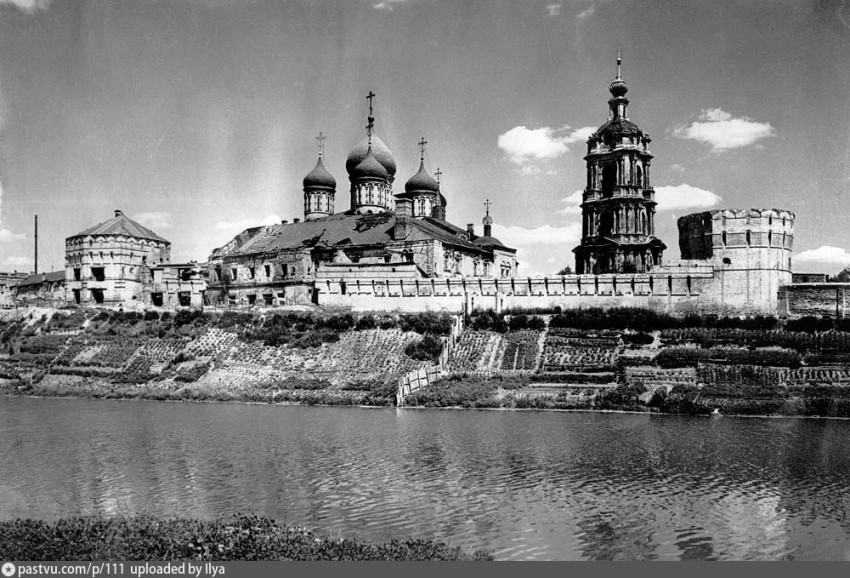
column 423, row 377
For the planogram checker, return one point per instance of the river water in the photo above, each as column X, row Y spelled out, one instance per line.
column 523, row 484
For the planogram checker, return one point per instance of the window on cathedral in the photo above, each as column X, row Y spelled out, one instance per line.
column 98, row 273
column 251, row 272
column 606, row 223
column 252, row 299
column 268, row 298
column 609, row 176
column 233, row 274
column 268, row 270
column 723, row 238
column 639, row 176
column 184, row 298
column 749, row 238
column 77, row 274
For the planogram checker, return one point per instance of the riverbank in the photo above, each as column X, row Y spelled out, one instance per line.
column 629, row 360
column 238, row 537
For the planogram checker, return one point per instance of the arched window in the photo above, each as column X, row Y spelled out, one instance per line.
column 770, row 238
column 606, row 223
column 749, row 238
column 639, row 176
column 723, row 238
column 609, row 177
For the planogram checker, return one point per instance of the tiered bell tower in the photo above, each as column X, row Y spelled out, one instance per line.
column 618, row 203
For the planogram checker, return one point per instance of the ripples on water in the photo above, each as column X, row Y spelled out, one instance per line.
column 527, row 485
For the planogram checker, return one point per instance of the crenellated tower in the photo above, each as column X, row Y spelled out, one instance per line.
column 618, row 203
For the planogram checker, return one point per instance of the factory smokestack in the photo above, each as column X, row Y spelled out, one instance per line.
column 36, row 243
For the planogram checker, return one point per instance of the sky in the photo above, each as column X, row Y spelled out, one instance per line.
column 197, row 117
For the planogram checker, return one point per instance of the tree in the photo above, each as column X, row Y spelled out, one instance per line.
column 843, row 277
column 566, row 271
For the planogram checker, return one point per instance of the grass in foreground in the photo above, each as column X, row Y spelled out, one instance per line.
column 238, row 537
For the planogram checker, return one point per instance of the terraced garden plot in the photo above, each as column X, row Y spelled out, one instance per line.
column 521, row 350
column 474, row 351
column 162, row 350
column 48, row 346
column 212, row 343
column 569, row 353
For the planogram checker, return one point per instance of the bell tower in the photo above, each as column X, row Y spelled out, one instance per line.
column 618, row 203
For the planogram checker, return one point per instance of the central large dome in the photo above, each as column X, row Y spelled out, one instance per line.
column 379, row 150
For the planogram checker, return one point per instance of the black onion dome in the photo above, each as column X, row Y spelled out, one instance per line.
column 319, row 177
column 369, row 168
column 381, row 152
column 488, row 241
column 618, row 88
column 421, row 182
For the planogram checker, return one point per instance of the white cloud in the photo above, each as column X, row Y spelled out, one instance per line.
column 28, row 6
column 553, row 10
column 516, row 236
column 155, row 220
column 826, row 254
column 387, row 4
column 7, row 236
column 241, row 225
column 586, row 13
column 524, row 145
column 573, row 203
column 684, row 196
column 16, row 262
column 723, row 131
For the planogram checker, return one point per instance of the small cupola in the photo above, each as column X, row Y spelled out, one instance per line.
column 319, row 188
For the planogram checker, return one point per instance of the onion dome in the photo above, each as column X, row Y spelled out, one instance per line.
column 369, row 168
column 380, row 151
column 319, row 177
column 421, row 182
column 618, row 88
column 488, row 241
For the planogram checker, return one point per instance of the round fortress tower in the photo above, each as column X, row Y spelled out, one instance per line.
column 750, row 250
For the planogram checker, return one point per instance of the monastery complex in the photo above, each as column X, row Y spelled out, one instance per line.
column 396, row 249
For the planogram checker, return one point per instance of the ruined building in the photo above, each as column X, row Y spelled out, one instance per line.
column 122, row 263
column 382, row 237
column 618, row 203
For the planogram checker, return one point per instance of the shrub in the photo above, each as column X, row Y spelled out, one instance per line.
column 151, row 316
column 425, row 349
column 366, row 322
column 488, row 321
column 429, row 322
column 809, row 324
column 316, row 338
column 637, row 338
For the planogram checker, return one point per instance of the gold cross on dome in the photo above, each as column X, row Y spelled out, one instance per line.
column 487, row 204
column 320, row 143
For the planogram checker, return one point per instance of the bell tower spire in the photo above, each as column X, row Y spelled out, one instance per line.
column 618, row 203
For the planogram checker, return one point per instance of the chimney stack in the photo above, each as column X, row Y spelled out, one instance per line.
column 118, row 212
column 470, row 230
column 296, row 220
column 403, row 214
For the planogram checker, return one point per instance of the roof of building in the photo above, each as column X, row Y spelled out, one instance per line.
column 347, row 230
column 370, row 168
column 319, row 177
column 421, row 182
column 379, row 149
column 124, row 226
column 39, row 278
column 489, row 241
column 619, row 127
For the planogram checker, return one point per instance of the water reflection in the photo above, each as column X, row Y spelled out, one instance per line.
column 525, row 484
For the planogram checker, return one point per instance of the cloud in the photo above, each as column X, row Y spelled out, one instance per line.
column 537, row 247
column 573, row 201
column 723, row 131
column 7, row 236
column 241, row 225
column 684, row 196
column 28, row 6
column 516, row 236
column 387, row 4
column 553, row 10
column 586, row 13
column 826, row 254
column 155, row 220
column 16, row 262
column 524, row 145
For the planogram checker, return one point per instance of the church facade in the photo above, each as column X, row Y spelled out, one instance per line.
column 383, row 236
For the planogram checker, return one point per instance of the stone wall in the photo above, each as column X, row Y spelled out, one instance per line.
column 818, row 299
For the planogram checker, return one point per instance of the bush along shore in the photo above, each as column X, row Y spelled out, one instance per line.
column 238, row 537
column 588, row 359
